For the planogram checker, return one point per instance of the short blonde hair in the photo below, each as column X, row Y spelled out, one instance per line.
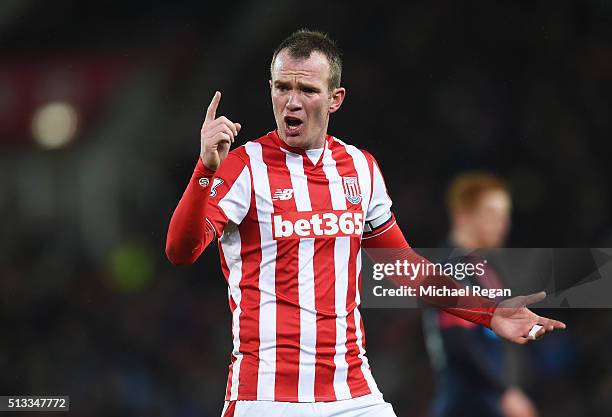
column 302, row 43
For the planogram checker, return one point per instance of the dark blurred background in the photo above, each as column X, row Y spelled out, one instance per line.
column 100, row 110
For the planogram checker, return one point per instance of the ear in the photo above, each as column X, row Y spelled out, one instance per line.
column 270, row 82
column 337, row 97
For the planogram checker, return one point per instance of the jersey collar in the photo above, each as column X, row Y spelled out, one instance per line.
column 279, row 142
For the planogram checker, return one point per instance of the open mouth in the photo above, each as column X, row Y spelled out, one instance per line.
column 293, row 124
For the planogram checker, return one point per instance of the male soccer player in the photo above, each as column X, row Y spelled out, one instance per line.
column 469, row 359
column 291, row 212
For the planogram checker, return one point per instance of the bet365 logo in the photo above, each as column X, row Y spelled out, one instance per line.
column 303, row 224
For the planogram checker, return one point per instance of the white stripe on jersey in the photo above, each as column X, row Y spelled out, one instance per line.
column 342, row 249
column 363, row 172
column 267, row 276
column 381, row 203
column 306, row 289
column 236, row 202
column 230, row 244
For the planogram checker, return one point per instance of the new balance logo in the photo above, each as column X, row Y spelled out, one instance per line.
column 282, row 194
column 302, row 224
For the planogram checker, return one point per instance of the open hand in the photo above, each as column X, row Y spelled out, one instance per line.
column 512, row 319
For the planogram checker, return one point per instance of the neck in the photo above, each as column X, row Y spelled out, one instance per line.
column 319, row 142
column 316, row 145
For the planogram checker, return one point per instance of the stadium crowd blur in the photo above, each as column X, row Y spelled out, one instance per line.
column 100, row 111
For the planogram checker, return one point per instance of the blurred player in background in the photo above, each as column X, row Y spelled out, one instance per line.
column 468, row 359
column 291, row 212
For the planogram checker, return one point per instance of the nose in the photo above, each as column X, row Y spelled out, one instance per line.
column 294, row 103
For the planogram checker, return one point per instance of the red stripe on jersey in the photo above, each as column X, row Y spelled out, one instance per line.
column 286, row 283
column 355, row 379
column 230, row 410
column 363, row 335
column 228, row 387
column 324, row 283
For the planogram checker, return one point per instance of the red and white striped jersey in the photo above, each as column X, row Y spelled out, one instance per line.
column 290, row 240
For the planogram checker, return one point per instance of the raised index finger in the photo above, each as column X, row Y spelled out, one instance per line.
column 212, row 107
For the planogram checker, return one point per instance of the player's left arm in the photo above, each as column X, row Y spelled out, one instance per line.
column 389, row 245
column 511, row 319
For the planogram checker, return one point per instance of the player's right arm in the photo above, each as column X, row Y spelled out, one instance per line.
column 196, row 220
